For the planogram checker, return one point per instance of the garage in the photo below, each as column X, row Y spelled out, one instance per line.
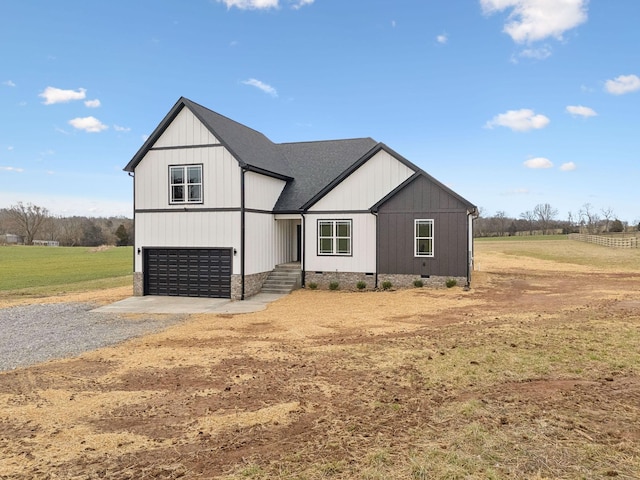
column 188, row 272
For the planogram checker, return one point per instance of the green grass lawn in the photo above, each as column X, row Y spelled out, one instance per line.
column 49, row 270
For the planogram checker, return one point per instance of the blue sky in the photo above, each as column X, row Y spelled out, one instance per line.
column 511, row 103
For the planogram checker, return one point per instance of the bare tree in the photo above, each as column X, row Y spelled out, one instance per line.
column 607, row 214
column 545, row 214
column 529, row 217
column 589, row 218
column 501, row 218
column 71, row 231
column 27, row 220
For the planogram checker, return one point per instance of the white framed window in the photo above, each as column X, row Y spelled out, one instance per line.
column 334, row 237
column 423, row 233
column 185, row 184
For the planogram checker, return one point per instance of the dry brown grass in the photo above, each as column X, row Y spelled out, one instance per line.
column 534, row 373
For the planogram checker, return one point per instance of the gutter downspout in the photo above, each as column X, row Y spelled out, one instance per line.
column 242, row 231
column 133, row 256
column 470, row 216
column 375, row 214
column 304, row 250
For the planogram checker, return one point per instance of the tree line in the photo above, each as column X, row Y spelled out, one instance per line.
column 32, row 222
column 544, row 220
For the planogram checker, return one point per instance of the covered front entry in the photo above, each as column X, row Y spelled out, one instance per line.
column 188, row 272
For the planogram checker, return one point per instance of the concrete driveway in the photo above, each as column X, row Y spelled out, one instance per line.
column 155, row 304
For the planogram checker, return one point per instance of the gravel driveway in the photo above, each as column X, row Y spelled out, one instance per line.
column 36, row 333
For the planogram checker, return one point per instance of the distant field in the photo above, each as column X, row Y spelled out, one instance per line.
column 558, row 248
column 522, row 238
column 51, row 270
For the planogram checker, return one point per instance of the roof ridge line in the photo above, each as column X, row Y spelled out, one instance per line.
column 327, row 140
column 185, row 99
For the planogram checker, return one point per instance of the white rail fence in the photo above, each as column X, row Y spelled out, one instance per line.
column 613, row 242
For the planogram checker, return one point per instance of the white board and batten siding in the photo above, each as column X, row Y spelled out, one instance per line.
column 367, row 185
column 265, row 241
column 261, row 192
column 186, row 130
column 371, row 182
column 220, row 178
column 363, row 245
column 221, row 173
column 188, row 229
column 268, row 242
column 155, row 227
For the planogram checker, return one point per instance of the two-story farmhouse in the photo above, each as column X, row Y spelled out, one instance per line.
column 218, row 206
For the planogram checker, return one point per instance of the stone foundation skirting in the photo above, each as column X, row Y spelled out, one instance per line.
column 349, row 280
column 252, row 285
column 138, row 284
column 346, row 280
column 406, row 281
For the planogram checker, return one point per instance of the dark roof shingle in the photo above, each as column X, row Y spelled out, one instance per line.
column 314, row 165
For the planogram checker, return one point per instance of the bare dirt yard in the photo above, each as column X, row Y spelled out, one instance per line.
column 533, row 373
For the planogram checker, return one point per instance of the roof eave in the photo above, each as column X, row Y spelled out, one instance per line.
column 159, row 130
column 357, row 164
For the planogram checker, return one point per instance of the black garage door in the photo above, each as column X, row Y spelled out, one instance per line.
column 188, row 272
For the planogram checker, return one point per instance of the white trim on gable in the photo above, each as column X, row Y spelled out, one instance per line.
column 371, row 182
column 185, row 130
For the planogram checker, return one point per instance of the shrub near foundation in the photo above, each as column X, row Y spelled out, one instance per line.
column 334, row 286
column 361, row 285
column 386, row 285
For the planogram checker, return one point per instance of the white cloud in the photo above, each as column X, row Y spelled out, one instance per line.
column 580, row 111
column 541, row 53
column 393, row 23
column 263, row 4
column 519, row 120
column 538, row 162
column 442, row 39
column 301, row 3
column 53, row 95
column 623, row 84
column 88, row 124
column 261, row 86
column 9, row 83
column 118, row 128
column 10, row 148
column 534, row 20
column 250, row 4
column 12, row 169
column 568, row 167
column 92, row 103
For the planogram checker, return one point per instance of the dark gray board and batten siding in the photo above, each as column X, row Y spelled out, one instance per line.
column 422, row 198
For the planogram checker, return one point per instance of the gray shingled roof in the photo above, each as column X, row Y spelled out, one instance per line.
column 248, row 146
column 315, row 165
column 310, row 168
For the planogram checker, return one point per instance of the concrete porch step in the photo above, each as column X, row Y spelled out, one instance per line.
column 283, row 279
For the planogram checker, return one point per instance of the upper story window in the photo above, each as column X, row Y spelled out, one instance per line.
column 334, row 237
column 185, row 184
column 423, row 232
